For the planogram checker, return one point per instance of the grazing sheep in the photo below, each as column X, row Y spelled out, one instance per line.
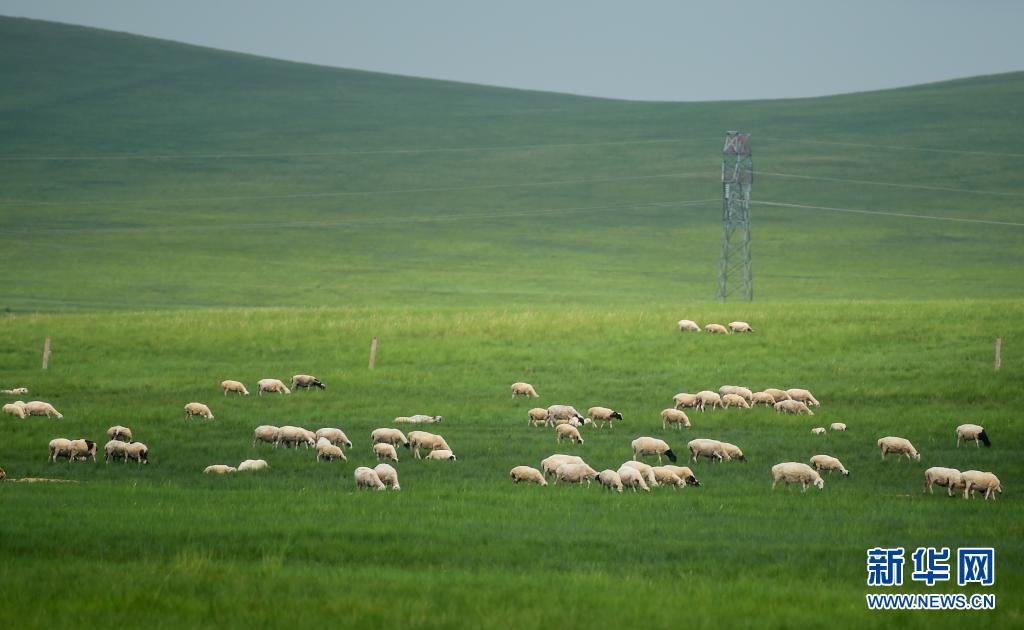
column 740, row 327
column 234, row 386
column 733, row 451
column 829, row 463
column 796, row 472
column 198, row 409
column 271, row 385
column 394, row 437
column 219, row 469
column 336, row 437
column 684, row 473
column 428, row 441
column 528, row 474
column 603, row 414
column 972, row 432
column 739, row 390
column 550, row 464
column 293, row 436
column 568, row 432
column 419, row 419
column 382, row 450
column 778, row 394
column 565, row 413
column 82, row 449
column 685, row 400
column 120, row 433
column 712, row 449
column 138, row 452
column 387, row 475
column 668, row 477
column 646, row 470
column 652, row 446
column 59, row 447
column 762, row 398
column 3, row 474
column 325, row 451
column 985, row 481
column 266, row 433
column 441, row 454
column 632, row 478
column 899, row 446
column 17, row 391
column 818, row 430
column 575, row 473
column 706, row 398
column 837, row 426
column 803, row 396
column 305, row 381
column 368, row 478
column 610, row 479
column 716, row 329
column 524, row 389
column 252, row 465
column 16, row 408
column 687, row 325
column 676, row 417
column 536, row 417
column 40, row 408
column 115, row 449
column 950, row 478
column 792, row 406
column 734, row 400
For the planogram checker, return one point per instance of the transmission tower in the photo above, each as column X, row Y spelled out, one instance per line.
column 737, row 176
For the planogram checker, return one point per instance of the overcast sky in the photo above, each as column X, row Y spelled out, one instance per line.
column 648, row 50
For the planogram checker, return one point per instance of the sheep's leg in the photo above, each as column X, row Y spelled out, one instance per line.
column 958, row 440
column 977, row 442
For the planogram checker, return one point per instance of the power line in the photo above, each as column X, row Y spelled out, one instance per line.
column 895, row 147
column 889, row 214
column 895, row 185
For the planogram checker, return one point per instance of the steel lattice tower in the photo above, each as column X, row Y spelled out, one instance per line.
column 734, row 265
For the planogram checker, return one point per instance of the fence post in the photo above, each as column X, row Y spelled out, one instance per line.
column 46, row 353
column 999, row 349
column 373, row 353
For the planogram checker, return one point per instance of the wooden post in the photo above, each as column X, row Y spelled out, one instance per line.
column 373, row 353
column 999, row 349
column 46, row 353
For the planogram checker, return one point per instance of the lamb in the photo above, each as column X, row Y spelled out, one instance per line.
column 368, row 478
column 684, row 473
column 527, row 474
column 252, row 465
column 740, row 327
column 138, row 452
column 421, row 419
column 985, row 481
column 524, row 389
column 948, row 477
column 394, row 437
column 266, row 433
column 17, row 391
column 575, row 473
column 818, row 430
column 120, row 433
column 837, row 426
column 381, row 451
column 428, row 441
column 646, row 470
column 40, row 408
column 652, row 446
column 685, row 400
column 712, row 449
column 234, row 386
column 325, row 451
column 568, row 432
column 387, row 475
column 796, row 472
column 778, row 394
column 550, row 464
column 603, row 414
column 972, row 432
column 899, row 446
column 688, row 325
column 762, row 398
column 305, row 381
column 16, row 408
column 293, row 436
column 198, row 409
column 829, row 463
column 219, row 469
column 734, row 400
column 115, row 449
column 716, row 329
column 676, row 417
column 271, row 385
column 563, row 412
column 706, row 398
column 668, row 477
column 336, row 437
column 441, row 454
column 739, row 390
column 792, row 406
column 536, row 417
column 803, row 396
column 610, row 479
column 733, row 451
column 632, row 478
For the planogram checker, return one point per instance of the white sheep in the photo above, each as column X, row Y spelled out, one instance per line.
column 266, row 433
column 668, row 477
column 712, row 449
column 17, row 391
column 644, row 469
column 219, row 469
column 368, row 478
column 603, row 414
column 536, row 417
column 387, row 475
column 575, row 473
column 803, row 396
column 708, row 397
column 305, row 381
column 293, row 436
column 336, row 437
column 676, row 417
column 234, row 386
column 82, row 449
column 739, row 390
column 733, row 452
column 778, row 394
column 528, row 474
column 985, row 481
column 837, row 426
column 972, row 432
column 59, row 447
column 419, row 419
column 740, row 327
column 138, row 452
column 382, row 450
column 796, row 472
column 949, row 478
column 328, row 452
column 271, row 385
column 792, row 406
column 685, row 400
column 427, row 441
column 734, row 400
column 610, row 479
column 16, row 408
column 198, row 409
column 550, row 464
column 524, row 389
column 652, row 446
column 632, row 478
column 762, row 398
column 716, row 329
column 899, row 446
column 40, row 408
column 394, row 437
column 829, row 463
column 684, row 473
column 442, row 454
column 818, row 430
column 687, row 325
column 252, row 465
column 568, row 432
column 565, row 413
column 118, row 432
column 115, row 449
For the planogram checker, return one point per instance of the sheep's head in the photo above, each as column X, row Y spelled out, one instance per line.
column 846, row 473
column 691, row 480
column 915, row 455
column 819, row 483
column 616, row 415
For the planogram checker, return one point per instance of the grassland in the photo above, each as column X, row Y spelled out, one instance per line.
column 241, row 218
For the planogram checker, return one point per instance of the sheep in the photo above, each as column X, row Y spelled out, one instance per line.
column 972, row 432
column 688, row 325
column 733, row 451
column 293, row 436
column 536, row 417
column 16, row 408
column 829, row 463
column 524, row 389
column 575, row 473
column 676, row 417
column 630, row 477
column 198, row 409
column 120, row 433
column 740, row 327
column 739, row 390
column 792, row 406
column 336, row 437
column 441, row 454
column 803, row 396
column 610, row 479
column 712, row 449
column 115, row 449
column 734, row 400
column 252, row 465
column 796, row 472
column 550, row 464
column 271, row 385
column 40, row 408
column 59, row 447
column 428, row 441
column 818, row 430
column 305, row 381
column 986, row 481
column 568, row 432
column 234, row 386
column 327, row 452
column 837, row 426
column 368, row 478
column 266, row 433
column 82, row 449
column 138, row 452
column 17, row 391
column 950, row 478
column 716, row 329
column 394, row 437
column 762, row 398
column 685, row 400
column 528, row 474
column 652, row 446
column 667, row 477
column 684, row 473
column 646, row 470
column 219, row 469
column 381, row 451
column 899, row 446
column 3, row 474
column 778, row 394
column 422, row 419
column 604, row 414
column 387, row 475
column 565, row 413
column 706, row 398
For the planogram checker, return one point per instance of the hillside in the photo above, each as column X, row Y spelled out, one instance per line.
column 140, row 173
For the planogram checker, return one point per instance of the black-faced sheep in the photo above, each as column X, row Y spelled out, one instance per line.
column 305, row 381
